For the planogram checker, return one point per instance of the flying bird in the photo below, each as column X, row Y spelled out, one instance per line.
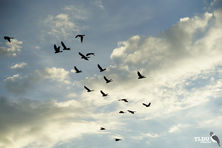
column 107, row 80
column 117, row 139
column 8, row 38
column 57, row 49
column 77, row 70
column 80, row 36
column 121, row 112
column 103, row 94
column 130, row 111
column 140, row 76
column 125, row 100
column 215, row 138
column 102, row 129
column 83, row 56
column 88, row 90
column 147, row 105
column 100, row 68
column 90, row 53
column 64, row 46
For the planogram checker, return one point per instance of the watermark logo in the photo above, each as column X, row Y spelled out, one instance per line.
column 212, row 138
column 202, row 139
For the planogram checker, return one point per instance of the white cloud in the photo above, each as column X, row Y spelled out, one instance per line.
column 37, row 124
column 58, row 74
column 67, row 22
column 14, row 47
column 175, row 128
column 174, row 63
column 146, row 135
column 20, row 85
column 13, row 78
column 60, row 25
column 19, row 66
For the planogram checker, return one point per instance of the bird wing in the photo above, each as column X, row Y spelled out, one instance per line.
column 86, row 88
column 81, row 54
column 102, row 92
column 99, row 67
column 105, row 78
column 89, row 54
column 63, row 45
column 144, row 104
column 76, row 68
column 81, row 38
column 55, row 48
column 138, row 73
column 77, row 36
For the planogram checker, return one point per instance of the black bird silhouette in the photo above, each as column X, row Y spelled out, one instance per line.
column 83, row 56
column 103, row 94
column 64, row 46
column 80, row 36
column 117, row 139
column 100, row 68
column 147, row 105
column 140, row 76
column 121, row 112
column 125, row 100
column 102, row 129
column 88, row 90
column 130, row 111
column 57, row 49
column 107, row 80
column 77, row 70
column 90, row 53
column 8, row 38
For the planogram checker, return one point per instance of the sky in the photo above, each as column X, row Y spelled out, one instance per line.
column 175, row 44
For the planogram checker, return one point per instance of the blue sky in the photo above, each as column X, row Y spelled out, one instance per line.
column 175, row 44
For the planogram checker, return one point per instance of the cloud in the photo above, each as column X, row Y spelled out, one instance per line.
column 19, row 66
column 60, row 25
column 175, row 128
column 57, row 74
column 12, row 49
column 179, row 65
column 17, row 84
column 67, row 22
column 27, row 123
column 99, row 4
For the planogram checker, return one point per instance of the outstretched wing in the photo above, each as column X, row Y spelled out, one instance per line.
column 76, row 68
column 81, row 54
column 102, row 92
column 63, row 45
column 100, row 68
column 81, row 38
column 91, row 53
column 87, row 88
column 55, row 48
column 144, row 104
column 105, row 78
column 139, row 74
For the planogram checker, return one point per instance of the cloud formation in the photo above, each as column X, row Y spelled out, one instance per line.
column 12, row 49
column 27, row 123
column 17, row 84
column 19, row 66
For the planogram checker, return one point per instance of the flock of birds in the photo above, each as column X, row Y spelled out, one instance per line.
column 101, row 69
